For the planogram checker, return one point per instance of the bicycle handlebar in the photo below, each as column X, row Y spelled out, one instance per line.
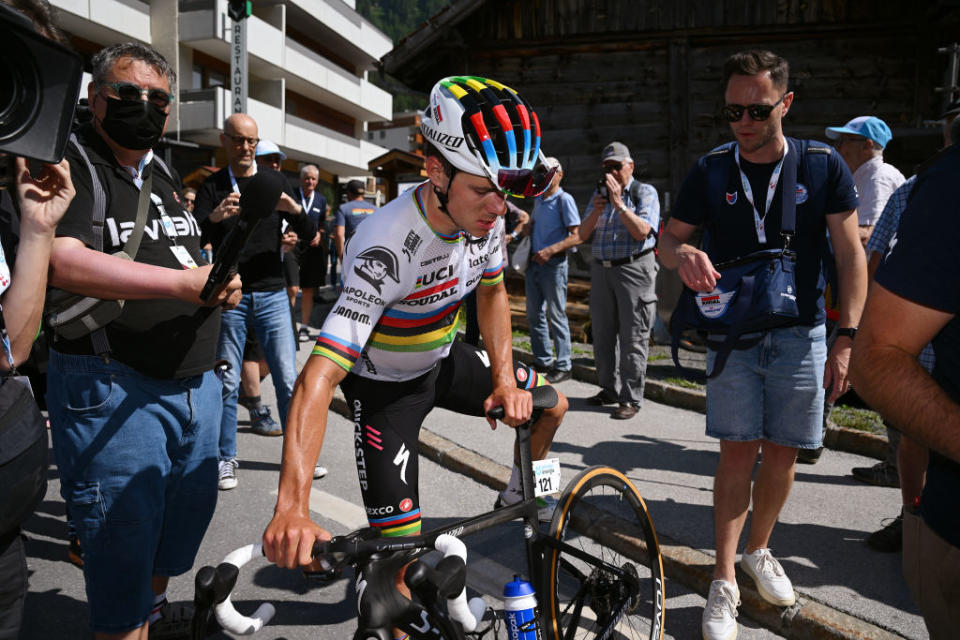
column 228, row 617
column 466, row 613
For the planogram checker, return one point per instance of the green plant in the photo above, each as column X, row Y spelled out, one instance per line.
column 521, row 333
column 656, row 357
column 683, row 382
column 523, row 344
column 854, row 418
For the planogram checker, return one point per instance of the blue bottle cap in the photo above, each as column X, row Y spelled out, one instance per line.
column 517, row 588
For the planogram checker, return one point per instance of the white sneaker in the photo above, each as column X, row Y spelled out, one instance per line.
column 319, row 471
column 227, row 474
column 719, row 620
column 772, row 583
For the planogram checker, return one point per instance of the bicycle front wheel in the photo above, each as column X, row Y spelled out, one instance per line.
column 605, row 578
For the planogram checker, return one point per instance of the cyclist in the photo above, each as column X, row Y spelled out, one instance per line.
column 389, row 339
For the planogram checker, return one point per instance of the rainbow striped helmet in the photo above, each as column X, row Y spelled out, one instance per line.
column 485, row 128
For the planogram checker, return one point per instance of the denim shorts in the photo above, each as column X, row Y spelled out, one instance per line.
column 771, row 391
column 137, row 458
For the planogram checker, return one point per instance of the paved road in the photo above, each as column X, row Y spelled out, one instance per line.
column 819, row 539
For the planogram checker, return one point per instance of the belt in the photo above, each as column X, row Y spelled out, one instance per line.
column 622, row 261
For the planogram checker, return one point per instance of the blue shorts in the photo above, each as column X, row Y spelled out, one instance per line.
column 138, row 469
column 771, row 391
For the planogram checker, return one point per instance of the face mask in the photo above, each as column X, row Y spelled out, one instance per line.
column 133, row 124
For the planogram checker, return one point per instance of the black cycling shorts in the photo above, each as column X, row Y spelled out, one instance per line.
column 387, row 417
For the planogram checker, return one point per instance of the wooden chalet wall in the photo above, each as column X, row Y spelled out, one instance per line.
column 647, row 73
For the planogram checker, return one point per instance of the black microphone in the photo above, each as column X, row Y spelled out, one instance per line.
column 258, row 200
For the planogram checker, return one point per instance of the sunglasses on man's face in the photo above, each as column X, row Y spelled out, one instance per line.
column 758, row 112
column 612, row 166
column 130, row 92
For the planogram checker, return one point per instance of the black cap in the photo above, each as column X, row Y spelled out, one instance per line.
column 355, row 187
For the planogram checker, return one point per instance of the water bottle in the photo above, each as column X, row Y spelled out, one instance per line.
column 520, row 610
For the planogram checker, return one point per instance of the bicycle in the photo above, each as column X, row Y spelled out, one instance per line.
column 597, row 570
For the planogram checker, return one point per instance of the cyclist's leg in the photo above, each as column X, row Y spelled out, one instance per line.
column 465, row 382
column 387, row 417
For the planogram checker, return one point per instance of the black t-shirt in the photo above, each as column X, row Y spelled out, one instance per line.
column 316, row 210
column 728, row 217
column 261, row 261
column 921, row 266
column 159, row 338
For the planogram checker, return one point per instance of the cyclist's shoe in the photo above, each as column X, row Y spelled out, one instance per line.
column 772, row 582
column 719, row 620
column 882, row 474
column 227, row 474
column 319, row 471
column 263, row 424
column 546, row 505
column 75, row 552
column 889, row 539
column 176, row 621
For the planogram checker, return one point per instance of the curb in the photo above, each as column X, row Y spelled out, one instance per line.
column 839, row 438
column 808, row 619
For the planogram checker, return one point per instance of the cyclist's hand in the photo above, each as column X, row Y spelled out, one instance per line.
column 517, row 405
column 288, row 540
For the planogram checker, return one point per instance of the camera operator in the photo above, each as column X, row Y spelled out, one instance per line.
column 623, row 217
column 135, row 406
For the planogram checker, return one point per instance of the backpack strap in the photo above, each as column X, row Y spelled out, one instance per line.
column 635, row 188
column 101, row 345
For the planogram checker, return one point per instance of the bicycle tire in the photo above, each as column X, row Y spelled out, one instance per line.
column 601, row 513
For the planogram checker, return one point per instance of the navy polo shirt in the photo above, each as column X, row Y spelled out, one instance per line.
column 921, row 266
column 727, row 216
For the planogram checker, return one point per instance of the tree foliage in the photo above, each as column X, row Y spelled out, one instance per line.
column 399, row 18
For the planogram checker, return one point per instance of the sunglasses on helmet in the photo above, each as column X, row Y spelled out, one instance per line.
column 758, row 112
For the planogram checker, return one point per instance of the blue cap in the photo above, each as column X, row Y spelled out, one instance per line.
column 869, row 127
column 518, row 588
column 267, row 148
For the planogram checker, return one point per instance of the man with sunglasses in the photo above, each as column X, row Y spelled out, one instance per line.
column 389, row 341
column 623, row 218
column 264, row 307
column 135, row 406
column 769, row 397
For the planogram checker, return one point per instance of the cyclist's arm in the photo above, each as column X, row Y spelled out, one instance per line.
column 493, row 315
column 289, row 537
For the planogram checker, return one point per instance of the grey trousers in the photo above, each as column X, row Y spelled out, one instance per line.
column 623, row 304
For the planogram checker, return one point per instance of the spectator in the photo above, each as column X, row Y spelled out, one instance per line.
column 554, row 230
column 861, row 143
column 622, row 217
column 264, row 305
column 769, row 397
column 134, row 433
column 907, row 309
column 351, row 213
column 28, row 220
column 189, row 198
column 313, row 259
column 906, row 458
column 269, row 155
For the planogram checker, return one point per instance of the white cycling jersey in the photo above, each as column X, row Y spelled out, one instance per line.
column 403, row 283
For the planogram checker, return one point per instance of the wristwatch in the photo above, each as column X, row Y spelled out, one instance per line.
column 850, row 332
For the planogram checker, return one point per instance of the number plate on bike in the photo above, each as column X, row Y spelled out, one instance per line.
column 547, row 476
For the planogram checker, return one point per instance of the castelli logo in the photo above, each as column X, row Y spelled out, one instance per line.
column 521, row 374
column 406, row 504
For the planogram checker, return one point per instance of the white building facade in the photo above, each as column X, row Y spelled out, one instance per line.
column 308, row 62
